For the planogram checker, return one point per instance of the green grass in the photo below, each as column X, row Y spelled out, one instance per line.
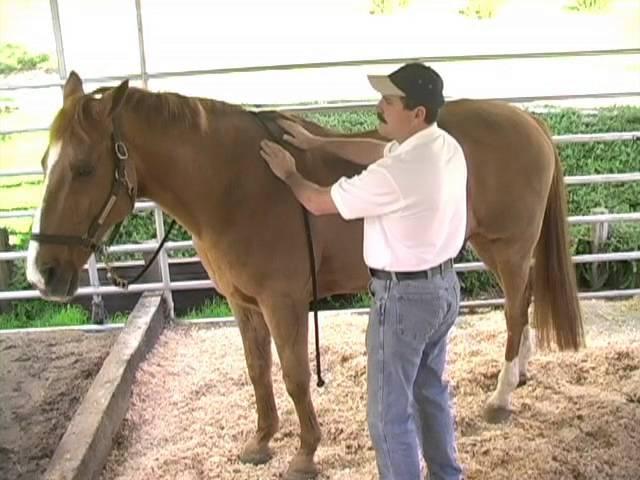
column 341, row 302
column 386, row 7
column 218, row 307
column 212, row 308
column 590, row 6
column 15, row 58
column 39, row 313
column 481, row 9
column 42, row 314
column 20, row 152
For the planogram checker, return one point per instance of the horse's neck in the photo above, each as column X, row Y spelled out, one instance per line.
column 192, row 175
column 168, row 166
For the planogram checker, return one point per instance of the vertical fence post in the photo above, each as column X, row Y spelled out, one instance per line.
column 163, row 258
column 6, row 267
column 57, row 33
column 143, row 59
column 599, row 235
column 98, row 312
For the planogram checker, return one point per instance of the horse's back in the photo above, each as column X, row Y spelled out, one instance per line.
column 510, row 161
column 337, row 243
column 510, row 164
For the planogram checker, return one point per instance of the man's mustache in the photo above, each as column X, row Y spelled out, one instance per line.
column 381, row 117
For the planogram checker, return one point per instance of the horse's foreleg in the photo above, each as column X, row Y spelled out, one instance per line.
column 257, row 350
column 514, row 275
column 289, row 326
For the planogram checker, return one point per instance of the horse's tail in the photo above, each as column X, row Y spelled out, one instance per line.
column 557, row 314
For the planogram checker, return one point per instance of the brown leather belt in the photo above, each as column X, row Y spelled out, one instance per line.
column 421, row 275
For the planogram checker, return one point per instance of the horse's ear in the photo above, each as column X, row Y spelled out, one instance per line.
column 117, row 97
column 72, row 87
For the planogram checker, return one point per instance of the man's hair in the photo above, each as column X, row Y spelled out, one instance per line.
column 431, row 114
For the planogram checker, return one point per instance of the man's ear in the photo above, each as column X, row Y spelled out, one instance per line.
column 420, row 113
column 72, row 87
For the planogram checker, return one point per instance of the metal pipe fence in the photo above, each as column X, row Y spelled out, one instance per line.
column 166, row 285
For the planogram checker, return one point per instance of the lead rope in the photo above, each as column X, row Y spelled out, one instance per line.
column 312, row 266
column 116, row 279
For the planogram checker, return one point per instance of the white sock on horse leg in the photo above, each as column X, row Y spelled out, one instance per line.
column 526, row 350
column 507, row 383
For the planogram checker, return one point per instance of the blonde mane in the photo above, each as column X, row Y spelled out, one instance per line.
column 162, row 109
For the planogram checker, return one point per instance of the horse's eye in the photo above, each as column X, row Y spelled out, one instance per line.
column 83, row 171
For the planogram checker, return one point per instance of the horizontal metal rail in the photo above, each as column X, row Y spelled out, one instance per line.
column 606, row 178
column 185, row 244
column 573, row 180
column 370, row 104
column 497, row 302
column 607, row 217
column 148, row 205
column 558, row 139
column 207, row 284
column 130, row 248
column 140, row 206
column 585, row 258
column 345, row 63
column 356, row 105
column 596, row 137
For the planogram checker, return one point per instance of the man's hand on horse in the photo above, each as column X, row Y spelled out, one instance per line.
column 297, row 135
column 280, row 161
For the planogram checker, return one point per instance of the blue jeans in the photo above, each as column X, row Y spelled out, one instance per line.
column 408, row 399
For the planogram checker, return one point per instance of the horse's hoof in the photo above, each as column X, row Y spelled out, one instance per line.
column 256, row 456
column 301, row 469
column 301, row 475
column 494, row 414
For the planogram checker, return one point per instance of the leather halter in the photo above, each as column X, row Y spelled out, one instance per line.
column 91, row 241
column 121, row 182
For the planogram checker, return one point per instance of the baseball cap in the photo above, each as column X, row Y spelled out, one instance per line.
column 415, row 81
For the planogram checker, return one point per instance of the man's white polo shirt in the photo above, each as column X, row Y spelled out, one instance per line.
column 413, row 201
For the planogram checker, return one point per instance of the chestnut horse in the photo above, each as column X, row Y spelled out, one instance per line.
column 199, row 160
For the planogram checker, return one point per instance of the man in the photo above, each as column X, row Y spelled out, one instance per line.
column 412, row 197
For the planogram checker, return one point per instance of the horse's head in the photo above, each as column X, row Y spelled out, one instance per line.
column 90, row 185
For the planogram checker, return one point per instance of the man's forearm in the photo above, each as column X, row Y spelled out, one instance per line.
column 363, row 151
column 315, row 198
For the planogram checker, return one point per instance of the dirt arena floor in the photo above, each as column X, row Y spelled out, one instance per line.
column 578, row 417
column 43, row 378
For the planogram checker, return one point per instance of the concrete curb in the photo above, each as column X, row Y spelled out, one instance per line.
column 85, row 446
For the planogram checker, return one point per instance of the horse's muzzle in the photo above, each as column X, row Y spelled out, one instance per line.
column 60, row 283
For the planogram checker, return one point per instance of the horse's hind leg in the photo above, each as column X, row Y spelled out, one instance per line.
column 514, row 271
column 289, row 326
column 525, row 353
column 257, row 350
